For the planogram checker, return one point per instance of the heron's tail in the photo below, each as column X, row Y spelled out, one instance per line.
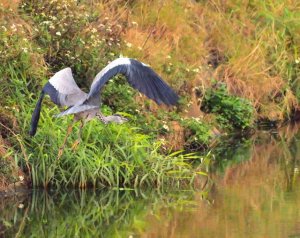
column 36, row 115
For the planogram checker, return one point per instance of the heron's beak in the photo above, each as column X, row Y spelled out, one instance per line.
column 120, row 119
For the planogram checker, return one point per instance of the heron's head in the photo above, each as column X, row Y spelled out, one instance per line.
column 116, row 118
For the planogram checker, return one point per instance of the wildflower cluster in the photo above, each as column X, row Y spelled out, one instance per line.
column 17, row 50
column 71, row 36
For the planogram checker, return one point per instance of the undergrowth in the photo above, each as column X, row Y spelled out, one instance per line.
column 105, row 158
column 106, row 155
column 198, row 134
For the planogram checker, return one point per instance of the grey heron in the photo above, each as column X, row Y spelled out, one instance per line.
column 64, row 91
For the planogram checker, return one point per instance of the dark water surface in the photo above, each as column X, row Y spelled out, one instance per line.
column 254, row 192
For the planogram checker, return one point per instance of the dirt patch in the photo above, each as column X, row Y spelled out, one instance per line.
column 175, row 140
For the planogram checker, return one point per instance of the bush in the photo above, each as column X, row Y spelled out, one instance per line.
column 197, row 134
column 232, row 112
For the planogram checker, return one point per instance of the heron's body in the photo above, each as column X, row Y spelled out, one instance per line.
column 64, row 91
column 86, row 115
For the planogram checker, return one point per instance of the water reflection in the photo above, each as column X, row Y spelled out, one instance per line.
column 256, row 192
column 105, row 213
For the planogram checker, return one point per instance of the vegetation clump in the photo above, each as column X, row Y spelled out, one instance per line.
column 198, row 134
column 232, row 112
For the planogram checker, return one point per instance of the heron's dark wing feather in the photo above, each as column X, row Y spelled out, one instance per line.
column 62, row 90
column 36, row 115
column 143, row 78
column 140, row 77
column 115, row 67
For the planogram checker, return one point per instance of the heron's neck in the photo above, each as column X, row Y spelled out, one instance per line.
column 102, row 118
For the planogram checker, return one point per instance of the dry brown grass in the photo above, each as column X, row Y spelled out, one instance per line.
column 229, row 41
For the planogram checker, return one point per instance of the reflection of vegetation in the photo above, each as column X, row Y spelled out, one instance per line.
column 256, row 194
column 231, row 150
column 85, row 213
column 279, row 147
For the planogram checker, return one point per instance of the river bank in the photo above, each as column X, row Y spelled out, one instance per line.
column 232, row 65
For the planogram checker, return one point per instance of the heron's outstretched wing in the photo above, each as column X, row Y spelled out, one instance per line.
column 139, row 76
column 62, row 90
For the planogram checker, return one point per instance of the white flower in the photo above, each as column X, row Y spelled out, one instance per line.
column 166, row 127
column 25, row 50
column 58, row 33
column 46, row 22
column 13, row 27
column 129, row 45
column 4, row 28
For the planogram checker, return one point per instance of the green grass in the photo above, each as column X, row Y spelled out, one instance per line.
column 107, row 156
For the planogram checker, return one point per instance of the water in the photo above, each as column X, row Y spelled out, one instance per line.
column 254, row 192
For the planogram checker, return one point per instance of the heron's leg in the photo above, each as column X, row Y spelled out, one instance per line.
column 61, row 149
column 75, row 144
